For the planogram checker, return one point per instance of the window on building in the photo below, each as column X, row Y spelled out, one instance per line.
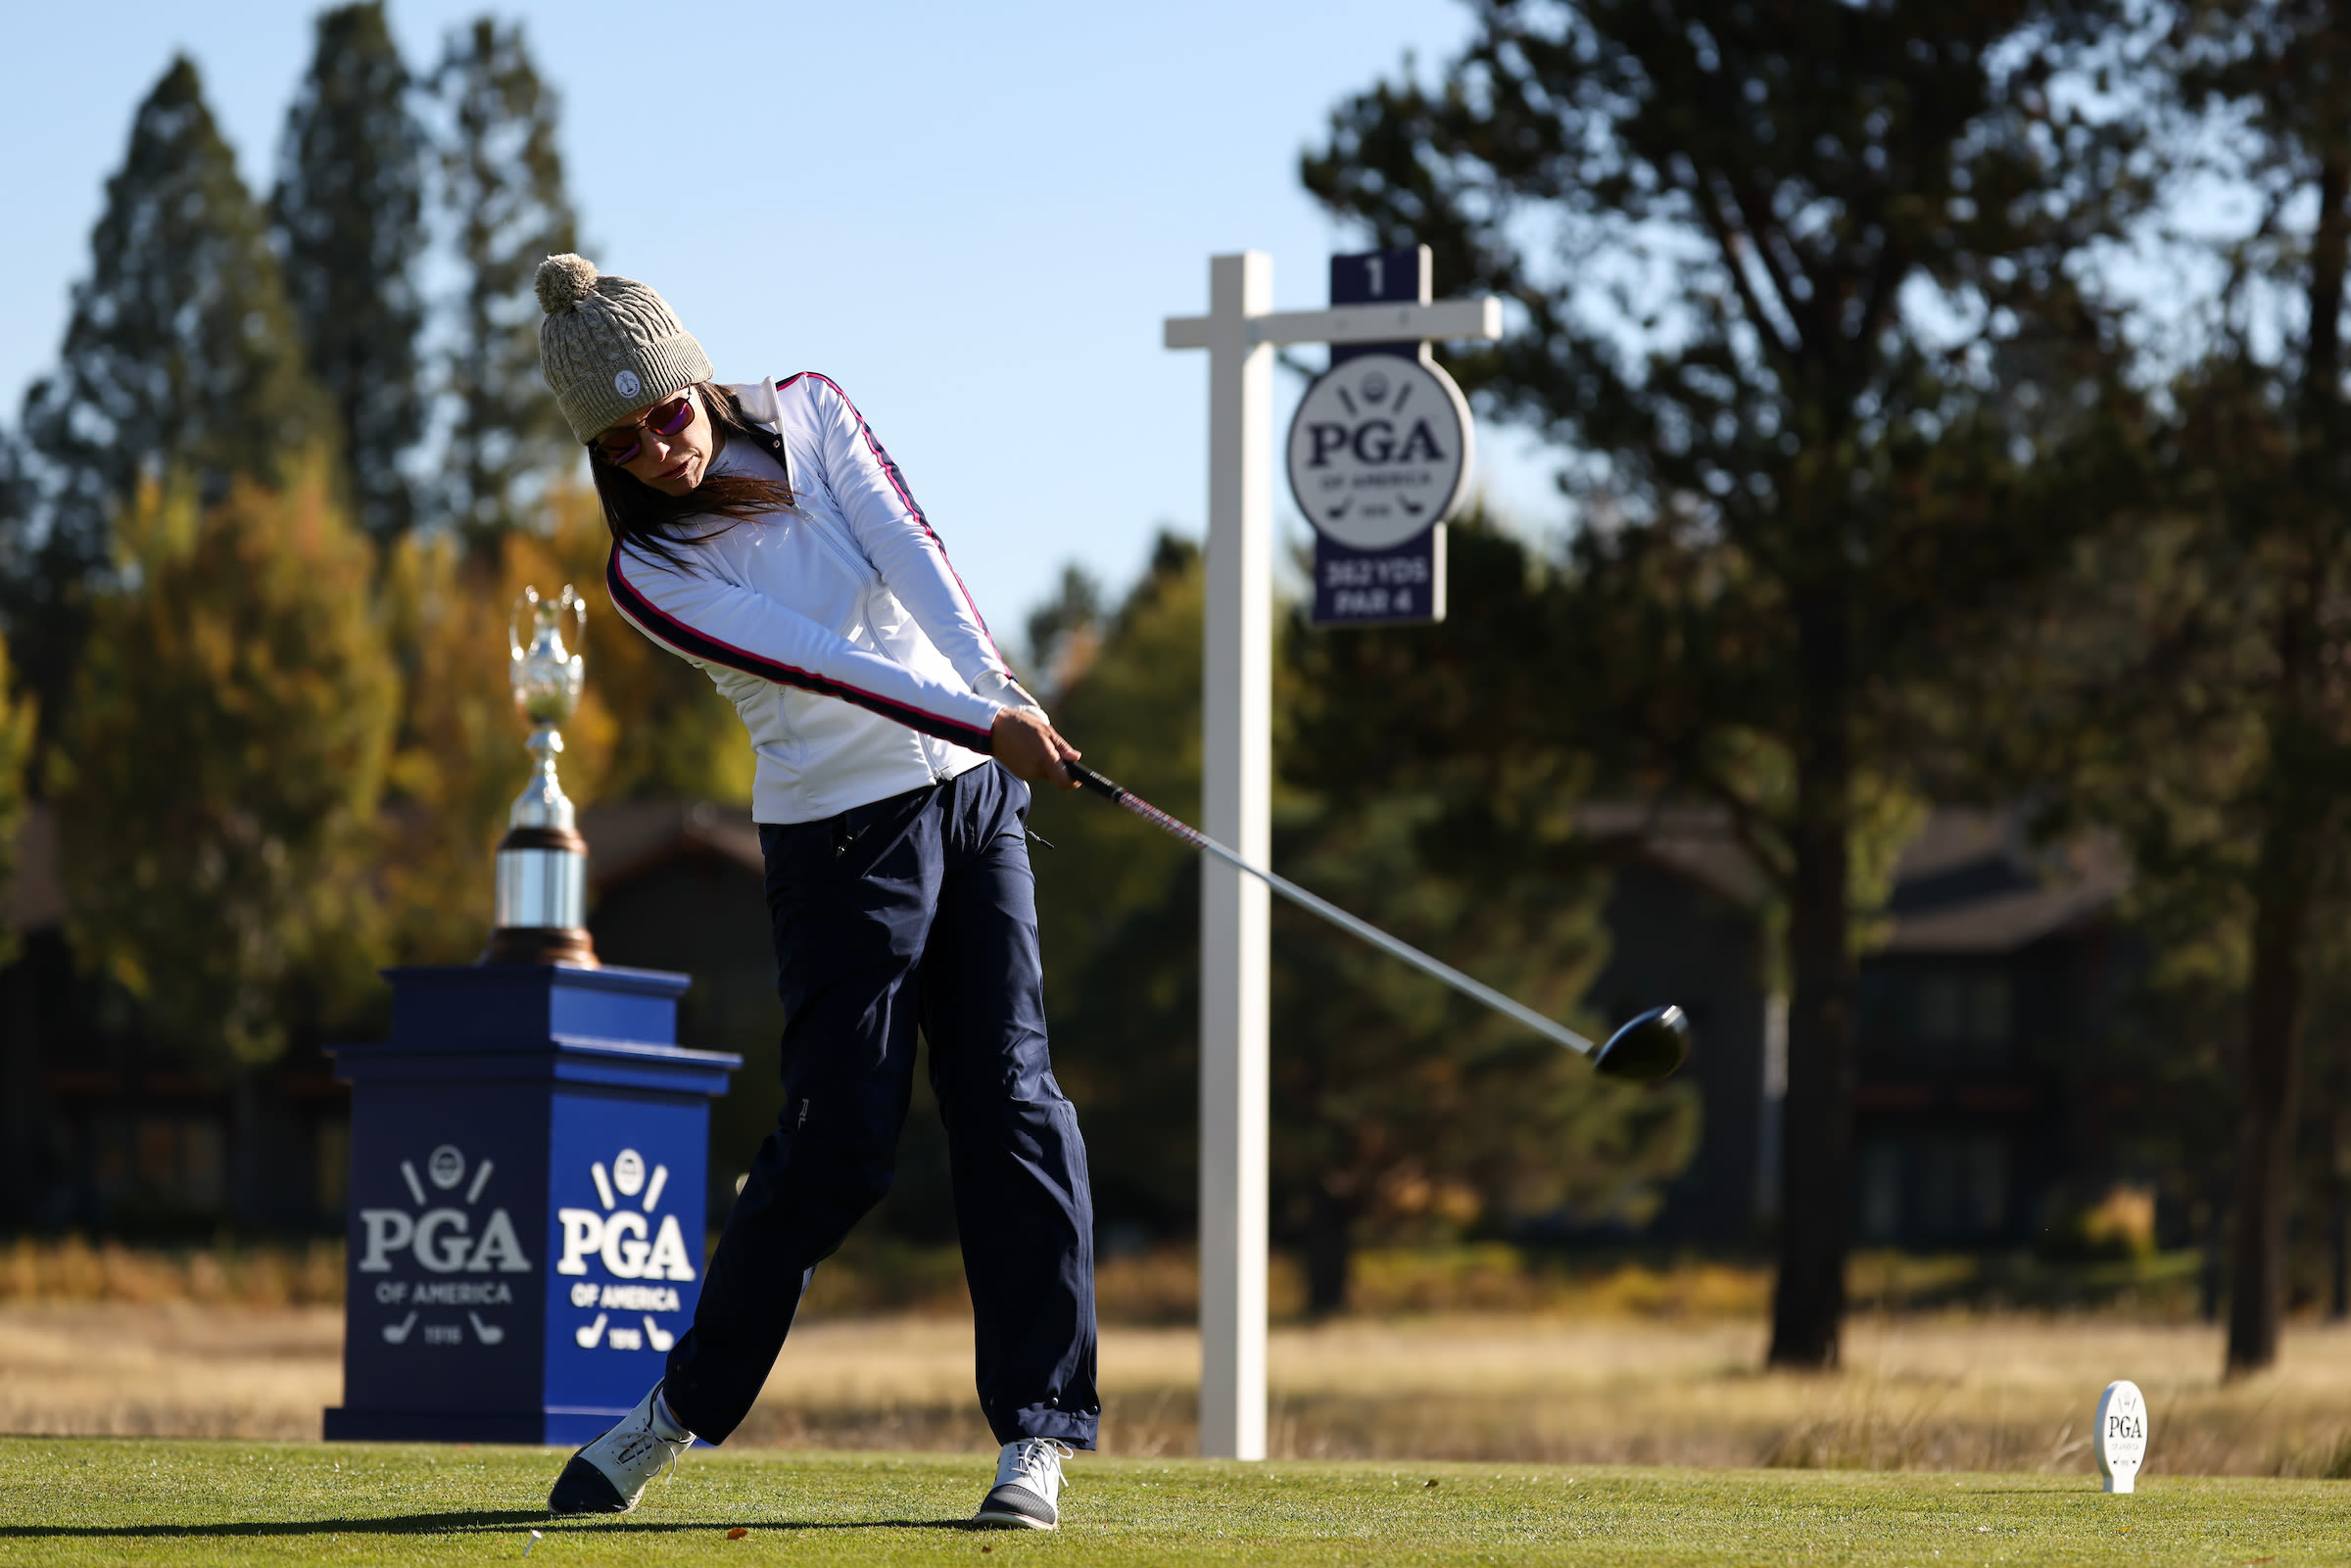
column 1939, row 1008
column 1881, row 1189
column 1882, row 997
column 1935, row 1209
column 1956, row 1008
column 1987, row 1010
column 1985, row 1184
column 155, row 1155
column 181, row 1162
column 110, row 1156
column 202, row 1165
column 1933, row 1189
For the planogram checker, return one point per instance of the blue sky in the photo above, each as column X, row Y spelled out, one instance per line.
column 973, row 217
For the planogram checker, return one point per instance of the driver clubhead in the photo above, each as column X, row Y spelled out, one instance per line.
column 1647, row 1049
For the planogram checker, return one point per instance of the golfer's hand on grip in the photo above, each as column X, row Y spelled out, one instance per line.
column 1029, row 748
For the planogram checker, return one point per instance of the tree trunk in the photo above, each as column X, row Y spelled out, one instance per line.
column 2338, row 1235
column 1816, row 1161
column 2214, row 1245
column 1329, row 1250
column 2296, row 819
column 26, row 1116
column 2338, row 1198
column 2265, row 1140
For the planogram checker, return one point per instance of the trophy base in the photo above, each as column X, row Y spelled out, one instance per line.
column 541, row 944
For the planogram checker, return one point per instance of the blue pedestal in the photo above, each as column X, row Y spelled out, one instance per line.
column 528, row 1164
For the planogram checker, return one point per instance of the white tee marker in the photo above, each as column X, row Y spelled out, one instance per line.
column 2121, row 1435
column 1240, row 332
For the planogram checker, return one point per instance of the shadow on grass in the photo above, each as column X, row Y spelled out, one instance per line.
column 473, row 1522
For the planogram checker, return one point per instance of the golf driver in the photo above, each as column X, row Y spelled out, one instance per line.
column 1647, row 1049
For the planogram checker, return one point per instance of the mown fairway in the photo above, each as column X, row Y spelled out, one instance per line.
column 83, row 1500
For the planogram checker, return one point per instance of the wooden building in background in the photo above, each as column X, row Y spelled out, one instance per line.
column 1986, row 1011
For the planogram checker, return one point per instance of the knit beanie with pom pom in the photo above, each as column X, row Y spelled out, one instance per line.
column 610, row 346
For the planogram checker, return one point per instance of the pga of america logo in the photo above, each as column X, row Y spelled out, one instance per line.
column 1380, row 449
column 622, row 1242
column 442, row 1241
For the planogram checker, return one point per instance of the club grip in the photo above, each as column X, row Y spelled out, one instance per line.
column 1089, row 780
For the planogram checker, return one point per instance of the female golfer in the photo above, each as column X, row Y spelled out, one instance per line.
column 760, row 532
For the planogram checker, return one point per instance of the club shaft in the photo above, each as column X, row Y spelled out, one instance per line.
column 1339, row 916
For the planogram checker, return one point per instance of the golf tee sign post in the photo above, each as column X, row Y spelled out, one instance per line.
column 1379, row 455
column 1240, row 333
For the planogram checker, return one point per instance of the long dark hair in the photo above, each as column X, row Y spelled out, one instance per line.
column 641, row 516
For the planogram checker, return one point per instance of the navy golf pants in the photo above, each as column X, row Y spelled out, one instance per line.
column 916, row 910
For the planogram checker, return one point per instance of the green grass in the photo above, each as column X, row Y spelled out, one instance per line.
column 124, row 1500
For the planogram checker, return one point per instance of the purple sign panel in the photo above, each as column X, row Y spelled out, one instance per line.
column 1401, row 584
column 1379, row 454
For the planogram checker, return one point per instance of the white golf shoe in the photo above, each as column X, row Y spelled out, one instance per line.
column 609, row 1475
column 1027, row 1494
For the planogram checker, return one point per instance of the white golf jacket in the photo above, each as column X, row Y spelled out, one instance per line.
column 849, row 645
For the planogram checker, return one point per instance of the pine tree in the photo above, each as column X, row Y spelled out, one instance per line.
column 182, row 353
column 20, row 513
column 1404, row 1107
column 15, row 761
column 349, row 219
column 2266, row 445
column 2186, row 681
column 1719, row 220
column 502, row 180
column 1119, row 910
column 1397, row 1107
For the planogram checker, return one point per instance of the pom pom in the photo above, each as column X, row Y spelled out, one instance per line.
column 564, row 281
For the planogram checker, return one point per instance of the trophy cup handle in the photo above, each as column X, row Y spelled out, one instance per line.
column 577, row 603
column 528, row 602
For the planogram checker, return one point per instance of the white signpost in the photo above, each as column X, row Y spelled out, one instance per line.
column 2121, row 1435
column 1240, row 333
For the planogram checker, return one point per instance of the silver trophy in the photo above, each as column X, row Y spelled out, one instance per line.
column 543, row 861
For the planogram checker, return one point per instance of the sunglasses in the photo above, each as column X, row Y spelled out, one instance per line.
column 620, row 447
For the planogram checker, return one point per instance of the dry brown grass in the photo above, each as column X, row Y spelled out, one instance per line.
column 877, row 1276
column 74, row 1270
column 2010, row 1392
column 174, row 1369
column 1976, row 1392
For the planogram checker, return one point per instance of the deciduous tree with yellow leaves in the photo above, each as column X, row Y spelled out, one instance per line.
column 217, row 775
